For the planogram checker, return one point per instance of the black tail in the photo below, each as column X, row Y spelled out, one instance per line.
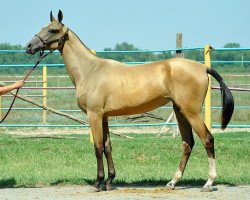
column 226, row 98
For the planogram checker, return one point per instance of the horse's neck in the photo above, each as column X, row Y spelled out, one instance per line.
column 78, row 59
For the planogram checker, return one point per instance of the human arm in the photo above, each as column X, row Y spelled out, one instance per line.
column 8, row 88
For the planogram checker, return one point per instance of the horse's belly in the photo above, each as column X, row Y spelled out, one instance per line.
column 136, row 109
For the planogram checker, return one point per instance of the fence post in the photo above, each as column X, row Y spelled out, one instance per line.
column 178, row 53
column 44, row 94
column 207, row 62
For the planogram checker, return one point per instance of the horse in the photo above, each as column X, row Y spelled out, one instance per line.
column 106, row 87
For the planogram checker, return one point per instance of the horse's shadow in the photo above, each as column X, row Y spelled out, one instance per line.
column 187, row 183
column 8, row 183
column 163, row 182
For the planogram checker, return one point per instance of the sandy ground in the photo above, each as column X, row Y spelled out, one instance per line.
column 123, row 130
column 220, row 192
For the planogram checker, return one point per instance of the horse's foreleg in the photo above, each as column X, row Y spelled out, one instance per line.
column 108, row 154
column 95, row 122
column 188, row 143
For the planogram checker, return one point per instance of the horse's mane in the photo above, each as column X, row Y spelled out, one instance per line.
column 81, row 41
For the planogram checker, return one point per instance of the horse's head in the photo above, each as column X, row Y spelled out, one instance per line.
column 51, row 37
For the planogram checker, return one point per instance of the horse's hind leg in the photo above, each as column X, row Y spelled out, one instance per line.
column 108, row 154
column 188, row 143
column 208, row 142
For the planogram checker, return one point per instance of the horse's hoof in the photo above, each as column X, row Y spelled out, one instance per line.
column 207, row 189
column 107, row 188
column 170, row 186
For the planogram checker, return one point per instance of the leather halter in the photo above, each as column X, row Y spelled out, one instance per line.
column 60, row 40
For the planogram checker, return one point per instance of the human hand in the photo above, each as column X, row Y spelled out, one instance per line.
column 18, row 84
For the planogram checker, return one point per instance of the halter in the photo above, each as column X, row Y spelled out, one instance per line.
column 60, row 40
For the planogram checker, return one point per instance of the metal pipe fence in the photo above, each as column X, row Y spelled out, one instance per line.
column 131, row 63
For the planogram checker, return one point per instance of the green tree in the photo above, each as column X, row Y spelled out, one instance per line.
column 133, row 57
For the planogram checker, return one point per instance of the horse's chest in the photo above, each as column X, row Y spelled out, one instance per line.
column 81, row 100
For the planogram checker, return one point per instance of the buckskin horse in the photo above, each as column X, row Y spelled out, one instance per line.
column 107, row 88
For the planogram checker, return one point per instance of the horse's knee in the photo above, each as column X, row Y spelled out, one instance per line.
column 99, row 151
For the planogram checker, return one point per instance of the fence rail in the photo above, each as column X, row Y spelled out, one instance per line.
column 139, row 51
column 44, row 95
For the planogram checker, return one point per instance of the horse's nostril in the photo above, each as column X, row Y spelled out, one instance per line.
column 28, row 48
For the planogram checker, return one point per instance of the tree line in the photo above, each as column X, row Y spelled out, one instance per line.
column 198, row 55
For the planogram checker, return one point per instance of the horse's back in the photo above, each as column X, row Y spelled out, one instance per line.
column 145, row 87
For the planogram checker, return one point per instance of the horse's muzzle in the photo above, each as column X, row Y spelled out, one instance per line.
column 29, row 49
column 34, row 45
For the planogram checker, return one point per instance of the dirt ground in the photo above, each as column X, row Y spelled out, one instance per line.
column 221, row 192
column 123, row 130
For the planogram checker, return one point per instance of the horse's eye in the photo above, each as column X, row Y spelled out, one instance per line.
column 53, row 31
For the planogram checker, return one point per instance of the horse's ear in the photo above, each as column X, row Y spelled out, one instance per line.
column 60, row 16
column 51, row 17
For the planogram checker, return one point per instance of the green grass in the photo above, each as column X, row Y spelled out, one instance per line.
column 32, row 162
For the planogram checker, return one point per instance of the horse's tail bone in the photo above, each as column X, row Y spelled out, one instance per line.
column 226, row 98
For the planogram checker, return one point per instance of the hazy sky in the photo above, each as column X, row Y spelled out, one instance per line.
column 148, row 24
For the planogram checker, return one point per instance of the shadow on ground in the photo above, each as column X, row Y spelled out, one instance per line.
column 143, row 182
column 8, row 183
column 12, row 183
